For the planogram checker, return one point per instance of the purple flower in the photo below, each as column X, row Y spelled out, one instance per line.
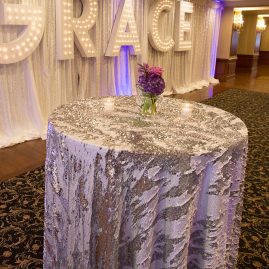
column 156, row 70
column 152, row 84
column 150, row 79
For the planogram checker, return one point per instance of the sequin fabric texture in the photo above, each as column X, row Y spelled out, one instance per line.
column 126, row 191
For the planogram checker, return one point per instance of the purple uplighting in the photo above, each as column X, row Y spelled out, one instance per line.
column 123, row 80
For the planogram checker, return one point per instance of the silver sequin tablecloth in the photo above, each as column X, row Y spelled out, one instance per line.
column 128, row 191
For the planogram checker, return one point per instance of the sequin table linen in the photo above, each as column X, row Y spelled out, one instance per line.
column 129, row 191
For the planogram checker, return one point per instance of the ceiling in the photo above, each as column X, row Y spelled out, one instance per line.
column 257, row 7
column 258, row 12
column 246, row 3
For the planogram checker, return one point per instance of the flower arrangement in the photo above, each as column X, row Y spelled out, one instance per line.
column 151, row 84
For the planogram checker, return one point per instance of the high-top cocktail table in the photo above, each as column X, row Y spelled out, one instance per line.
column 126, row 191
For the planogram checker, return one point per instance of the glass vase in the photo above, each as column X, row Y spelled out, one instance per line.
column 149, row 104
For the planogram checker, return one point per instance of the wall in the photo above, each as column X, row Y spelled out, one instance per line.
column 247, row 38
column 264, row 49
column 225, row 34
column 265, row 38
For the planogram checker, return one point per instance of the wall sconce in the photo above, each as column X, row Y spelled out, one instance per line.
column 261, row 26
column 238, row 20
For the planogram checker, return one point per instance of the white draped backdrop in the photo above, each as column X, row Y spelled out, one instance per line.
column 31, row 89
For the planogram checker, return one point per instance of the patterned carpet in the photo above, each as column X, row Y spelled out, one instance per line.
column 21, row 198
column 21, row 221
column 253, row 109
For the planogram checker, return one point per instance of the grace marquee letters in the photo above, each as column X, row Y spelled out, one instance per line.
column 70, row 30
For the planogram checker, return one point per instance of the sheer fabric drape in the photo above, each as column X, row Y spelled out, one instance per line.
column 31, row 89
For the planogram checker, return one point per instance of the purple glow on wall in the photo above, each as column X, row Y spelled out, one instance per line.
column 215, row 40
column 210, row 92
column 123, row 81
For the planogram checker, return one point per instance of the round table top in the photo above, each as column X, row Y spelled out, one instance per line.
column 178, row 127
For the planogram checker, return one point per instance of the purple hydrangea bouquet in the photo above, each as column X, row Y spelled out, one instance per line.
column 151, row 84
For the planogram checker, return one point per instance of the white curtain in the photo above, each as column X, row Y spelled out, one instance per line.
column 31, row 89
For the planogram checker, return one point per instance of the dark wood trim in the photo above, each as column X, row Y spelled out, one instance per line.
column 225, row 69
column 264, row 58
column 247, row 64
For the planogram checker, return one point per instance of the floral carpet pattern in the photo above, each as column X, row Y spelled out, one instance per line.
column 22, row 198
column 21, row 221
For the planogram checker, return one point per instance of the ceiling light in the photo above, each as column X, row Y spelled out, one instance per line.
column 238, row 20
column 261, row 26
